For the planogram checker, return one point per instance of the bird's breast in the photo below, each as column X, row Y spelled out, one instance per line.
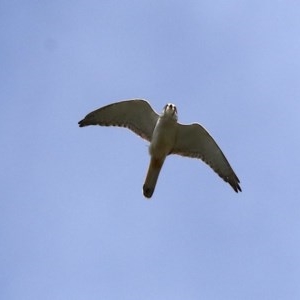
column 163, row 138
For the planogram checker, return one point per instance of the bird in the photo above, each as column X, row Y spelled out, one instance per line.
column 166, row 136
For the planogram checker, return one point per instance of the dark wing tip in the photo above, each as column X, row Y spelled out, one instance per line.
column 235, row 184
column 81, row 123
column 88, row 120
column 237, row 188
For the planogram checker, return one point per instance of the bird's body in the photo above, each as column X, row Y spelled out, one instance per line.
column 161, row 145
column 166, row 136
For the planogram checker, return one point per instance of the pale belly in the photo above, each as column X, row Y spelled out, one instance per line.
column 163, row 139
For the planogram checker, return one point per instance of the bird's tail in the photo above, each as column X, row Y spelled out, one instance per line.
column 152, row 176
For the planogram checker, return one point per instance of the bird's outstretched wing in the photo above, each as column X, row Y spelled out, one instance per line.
column 194, row 141
column 135, row 114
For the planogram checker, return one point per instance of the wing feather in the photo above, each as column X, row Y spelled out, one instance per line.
column 134, row 114
column 195, row 141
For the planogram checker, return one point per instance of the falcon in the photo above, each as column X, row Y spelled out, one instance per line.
column 166, row 136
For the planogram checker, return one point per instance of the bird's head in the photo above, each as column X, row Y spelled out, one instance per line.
column 170, row 110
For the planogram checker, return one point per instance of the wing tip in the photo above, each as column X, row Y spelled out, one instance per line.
column 82, row 123
column 236, row 188
column 235, row 184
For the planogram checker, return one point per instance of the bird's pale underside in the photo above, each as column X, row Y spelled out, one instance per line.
column 166, row 136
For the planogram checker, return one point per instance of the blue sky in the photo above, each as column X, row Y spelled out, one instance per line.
column 73, row 221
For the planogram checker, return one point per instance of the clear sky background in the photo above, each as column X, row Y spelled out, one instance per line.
column 73, row 221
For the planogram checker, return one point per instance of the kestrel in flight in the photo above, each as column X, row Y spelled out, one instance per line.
column 166, row 136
